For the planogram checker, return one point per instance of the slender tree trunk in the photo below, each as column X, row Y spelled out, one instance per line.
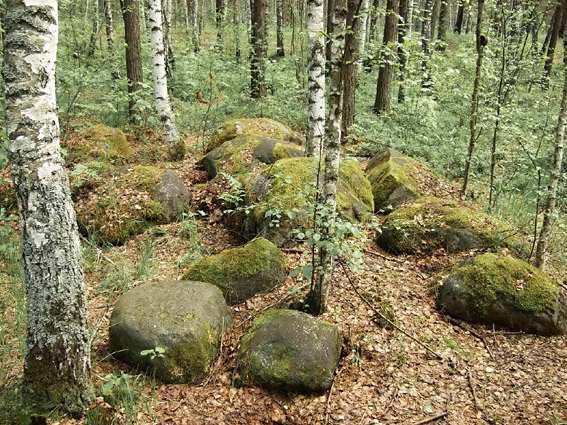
column 280, row 52
column 247, row 5
column 94, row 33
column 316, row 90
column 540, row 257
column 384, row 86
column 168, row 43
column 175, row 145
column 474, row 100
column 332, row 159
column 258, row 63
column 426, row 44
column 57, row 351
column 109, row 24
column 443, row 25
column 409, row 19
column 328, row 14
column 134, row 73
column 435, row 10
column 349, row 70
column 195, row 25
column 556, row 25
column 220, row 7
column 362, row 34
column 403, row 52
column 460, row 16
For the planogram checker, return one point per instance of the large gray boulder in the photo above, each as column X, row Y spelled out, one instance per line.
column 185, row 319
column 172, row 194
column 290, row 350
column 241, row 273
column 240, row 155
column 505, row 292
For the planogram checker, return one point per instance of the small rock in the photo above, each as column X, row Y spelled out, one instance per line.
column 172, row 193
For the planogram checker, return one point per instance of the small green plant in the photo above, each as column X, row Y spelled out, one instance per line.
column 154, row 352
column 452, row 344
column 123, row 393
column 118, row 279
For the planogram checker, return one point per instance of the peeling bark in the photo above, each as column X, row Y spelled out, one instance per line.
column 175, row 144
column 57, row 354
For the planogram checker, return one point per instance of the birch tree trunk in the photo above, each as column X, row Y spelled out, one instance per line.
column 403, row 52
column 426, row 43
column 167, row 42
column 362, row 34
column 556, row 25
column 316, row 78
column 280, row 52
column 220, row 18
column 57, row 353
column 320, row 296
column 195, row 25
column 540, row 257
column 94, row 33
column 109, row 24
column 175, row 144
column 443, row 25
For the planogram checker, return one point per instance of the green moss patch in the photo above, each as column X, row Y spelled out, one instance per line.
column 100, row 143
column 242, row 272
column 430, row 223
column 251, row 127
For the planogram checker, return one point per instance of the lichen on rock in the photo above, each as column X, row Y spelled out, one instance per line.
column 504, row 291
column 290, row 350
column 241, row 273
column 431, row 223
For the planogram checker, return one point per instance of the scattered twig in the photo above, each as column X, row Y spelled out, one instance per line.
column 432, row 418
column 294, row 250
column 384, row 317
column 391, row 402
column 473, row 333
column 385, row 257
column 328, row 408
column 473, row 392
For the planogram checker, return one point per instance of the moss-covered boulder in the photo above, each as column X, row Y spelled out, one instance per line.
column 430, row 223
column 241, row 273
column 391, row 175
column 282, row 198
column 290, row 350
column 252, row 127
column 504, row 292
column 171, row 328
column 172, row 194
column 241, row 154
column 123, row 205
column 99, row 143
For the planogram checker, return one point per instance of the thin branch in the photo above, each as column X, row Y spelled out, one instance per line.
column 473, row 333
column 432, row 418
column 341, row 262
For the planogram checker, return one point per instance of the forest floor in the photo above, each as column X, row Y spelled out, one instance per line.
column 384, row 377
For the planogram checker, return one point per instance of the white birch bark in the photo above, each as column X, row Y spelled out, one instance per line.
column 409, row 20
column 109, row 24
column 332, row 150
column 57, row 354
column 316, row 78
column 362, row 34
column 279, row 29
column 175, row 144
column 195, row 25
column 248, row 20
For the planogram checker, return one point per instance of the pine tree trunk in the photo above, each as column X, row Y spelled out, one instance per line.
column 474, row 100
column 332, row 159
column 540, row 257
column 130, row 13
column 443, row 25
column 316, row 86
column 258, row 62
column 556, row 25
column 280, row 52
column 109, row 24
column 384, row 86
column 57, row 352
column 175, row 144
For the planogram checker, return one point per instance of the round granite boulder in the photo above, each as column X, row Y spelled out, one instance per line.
column 431, row 223
column 252, row 127
column 241, row 273
column 172, row 328
column 505, row 292
column 290, row 350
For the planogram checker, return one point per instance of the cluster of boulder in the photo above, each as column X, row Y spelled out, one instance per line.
column 174, row 329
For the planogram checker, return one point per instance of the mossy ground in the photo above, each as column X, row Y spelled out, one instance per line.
column 491, row 277
column 101, row 143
